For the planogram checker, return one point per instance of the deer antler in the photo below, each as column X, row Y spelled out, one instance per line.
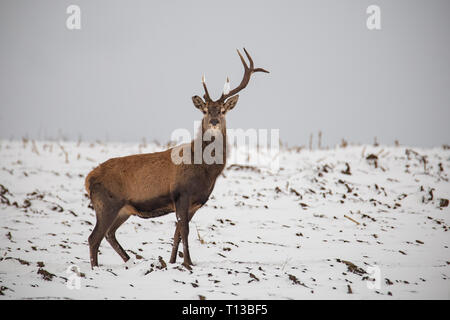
column 206, row 95
column 248, row 71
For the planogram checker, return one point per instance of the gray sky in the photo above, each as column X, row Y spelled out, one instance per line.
column 131, row 70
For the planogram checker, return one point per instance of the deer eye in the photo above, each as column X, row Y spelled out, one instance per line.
column 222, row 110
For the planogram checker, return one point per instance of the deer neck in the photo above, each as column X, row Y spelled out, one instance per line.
column 199, row 145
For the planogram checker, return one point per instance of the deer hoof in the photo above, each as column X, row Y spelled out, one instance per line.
column 187, row 266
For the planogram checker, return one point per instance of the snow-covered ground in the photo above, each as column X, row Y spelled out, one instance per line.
column 346, row 223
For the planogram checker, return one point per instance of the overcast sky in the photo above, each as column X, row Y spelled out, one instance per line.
column 131, row 70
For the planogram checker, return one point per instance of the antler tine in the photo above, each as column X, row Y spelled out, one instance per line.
column 261, row 70
column 248, row 71
column 242, row 59
column 251, row 64
column 206, row 95
column 249, row 59
column 226, row 87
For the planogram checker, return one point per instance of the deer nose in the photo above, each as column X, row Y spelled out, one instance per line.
column 214, row 122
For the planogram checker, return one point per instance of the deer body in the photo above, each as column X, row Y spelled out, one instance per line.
column 151, row 185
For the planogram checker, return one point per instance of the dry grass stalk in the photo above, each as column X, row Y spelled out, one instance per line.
column 352, row 219
column 202, row 241
column 65, row 153
column 319, row 141
column 25, row 142
column 34, row 147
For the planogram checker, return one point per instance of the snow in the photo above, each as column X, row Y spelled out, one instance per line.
column 311, row 230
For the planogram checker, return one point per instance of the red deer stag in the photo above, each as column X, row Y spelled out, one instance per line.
column 151, row 185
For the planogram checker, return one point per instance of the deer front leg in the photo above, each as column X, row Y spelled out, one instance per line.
column 182, row 213
column 177, row 239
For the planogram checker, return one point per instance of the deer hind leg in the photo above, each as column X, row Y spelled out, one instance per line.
column 106, row 209
column 123, row 215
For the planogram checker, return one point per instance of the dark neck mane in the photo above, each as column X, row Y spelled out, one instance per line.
column 215, row 168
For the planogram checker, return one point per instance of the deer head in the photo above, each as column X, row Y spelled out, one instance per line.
column 215, row 111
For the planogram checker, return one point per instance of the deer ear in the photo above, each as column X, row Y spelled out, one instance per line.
column 199, row 103
column 231, row 102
